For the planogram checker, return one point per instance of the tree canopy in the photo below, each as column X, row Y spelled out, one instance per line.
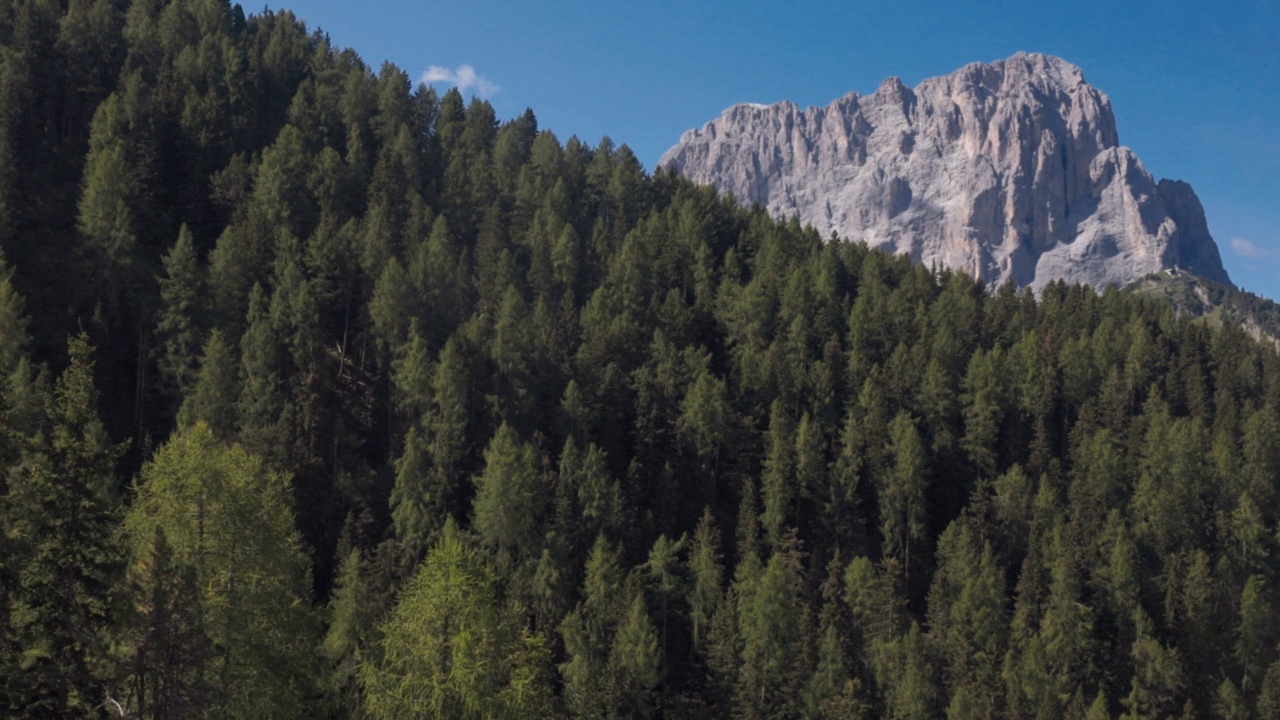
column 326, row 395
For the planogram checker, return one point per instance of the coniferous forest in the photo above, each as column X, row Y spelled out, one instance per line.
column 328, row 396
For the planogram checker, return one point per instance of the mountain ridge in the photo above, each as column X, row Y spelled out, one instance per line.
column 1010, row 170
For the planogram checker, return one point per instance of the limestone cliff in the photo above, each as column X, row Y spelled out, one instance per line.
column 1011, row 170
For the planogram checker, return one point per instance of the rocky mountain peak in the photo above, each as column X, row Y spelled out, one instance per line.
column 1008, row 170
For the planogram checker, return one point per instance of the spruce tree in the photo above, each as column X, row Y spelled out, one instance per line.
column 107, row 213
column 351, row 633
column 212, row 399
column 178, row 330
column 65, row 509
column 229, row 521
column 453, row 649
column 706, row 568
column 902, row 491
column 509, row 503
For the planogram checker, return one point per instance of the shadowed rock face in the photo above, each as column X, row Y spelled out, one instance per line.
column 1011, row 170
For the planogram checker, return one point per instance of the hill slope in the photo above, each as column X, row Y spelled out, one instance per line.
column 1215, row 302
column 376, row 406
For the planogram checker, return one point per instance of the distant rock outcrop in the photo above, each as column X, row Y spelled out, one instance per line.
column 1011, row 170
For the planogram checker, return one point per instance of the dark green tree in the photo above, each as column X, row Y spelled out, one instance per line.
column 64, row 506
column 902, row 491
column 212, row 399
column 179, row 327
column 510, row 501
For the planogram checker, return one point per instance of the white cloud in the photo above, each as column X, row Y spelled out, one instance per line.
column 1240, row 246
column 464, row 77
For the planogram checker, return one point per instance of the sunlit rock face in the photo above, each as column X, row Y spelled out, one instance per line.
column 1011, row 170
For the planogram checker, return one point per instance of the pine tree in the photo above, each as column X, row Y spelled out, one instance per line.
column 65, row 507
column 1254, row 632
column 635, row 664
column 429, row 472
column 453, row 649
column 509, row 505
column 599, row 494
column 350, row 635
column 706, row 568
column 778, row 483
column 228, row 521
column 1157, row 676
column 21, row 398
column 904, row 674
column 705, row 418
column 588, row 633
column 968, row 623
column 1229, row 703
column 902, row 491
column 833, row 690
column 261, row 398
column 513, row 352
column 392, row 307
column 666, row 576
column 984, row 406
column 212, row 399
column 178, row 330
column 438, row 274
column 1268, row 707
column 307, row 418
column 837, row 500
column 14, row 336
column 771, row 625
column 107, row 212
column 418, row 508
column 279, row 189
column 166, row 646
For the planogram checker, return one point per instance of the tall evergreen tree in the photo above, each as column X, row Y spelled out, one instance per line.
column 178, row 330
column 212, row 399
column 228, row 521
column 902, row 491
column 509, row 499
column 65, row 507
column 453, row 649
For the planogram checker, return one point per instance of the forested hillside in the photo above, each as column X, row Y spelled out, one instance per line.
column 328, row 396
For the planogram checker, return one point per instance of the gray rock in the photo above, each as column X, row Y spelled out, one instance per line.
column 1011, row 170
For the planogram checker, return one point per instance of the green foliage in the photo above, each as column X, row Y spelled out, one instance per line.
column 350, row 637
column 63, row 509
column 165, row 643
column 706, row 594
column 820, row 481
column 968, row 619
column 182, row 294
column 509, row 498
column 107, row 217
column 454, row 648
column 212, row 400
column 772, row 628
column 261, row 398
column 902, row 491
column 635, row 663
column 227, row 520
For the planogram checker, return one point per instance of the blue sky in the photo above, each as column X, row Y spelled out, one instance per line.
column 1195, row 85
